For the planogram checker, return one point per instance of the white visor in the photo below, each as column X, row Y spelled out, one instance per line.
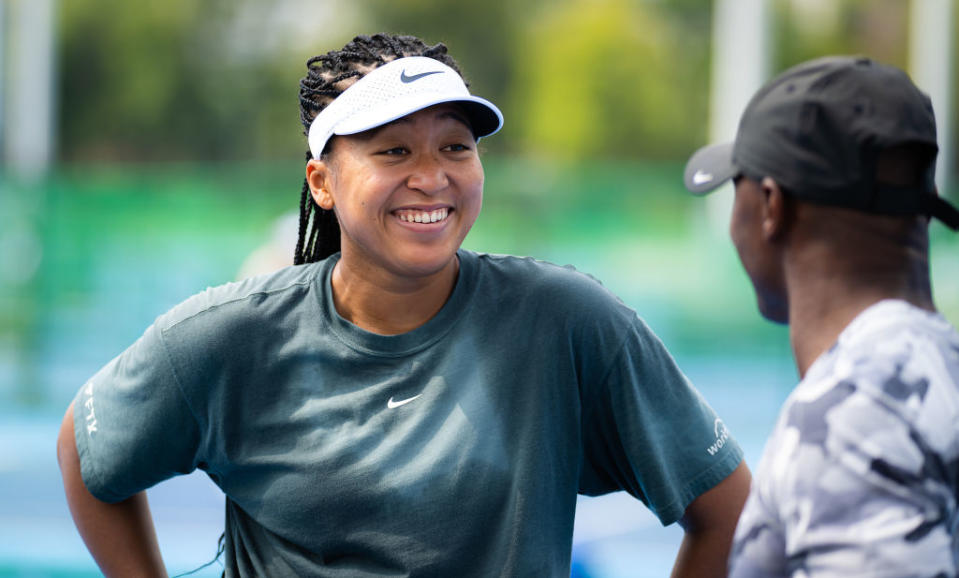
column 394, row 90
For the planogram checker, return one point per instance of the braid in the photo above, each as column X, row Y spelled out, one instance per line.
column 305, row 209
column 327, row 77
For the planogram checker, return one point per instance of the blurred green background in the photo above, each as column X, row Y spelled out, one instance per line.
column 177, row 152
column 177, row 145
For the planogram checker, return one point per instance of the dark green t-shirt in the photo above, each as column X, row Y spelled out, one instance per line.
column 456, row 449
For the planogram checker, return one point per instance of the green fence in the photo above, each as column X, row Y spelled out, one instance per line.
column 91, row 255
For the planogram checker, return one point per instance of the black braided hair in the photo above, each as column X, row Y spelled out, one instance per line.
column 327, row 77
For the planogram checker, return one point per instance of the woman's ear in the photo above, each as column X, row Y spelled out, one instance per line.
column 774, row 210
column 318, row 178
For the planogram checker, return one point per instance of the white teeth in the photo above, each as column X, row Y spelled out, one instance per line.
column 423, row 216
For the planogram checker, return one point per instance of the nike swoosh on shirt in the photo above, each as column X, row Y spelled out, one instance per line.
column 408, row 79
column 395, row 404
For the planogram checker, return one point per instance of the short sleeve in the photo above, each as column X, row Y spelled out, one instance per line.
column 649, row 432
column 848, row 487
column 132, row 424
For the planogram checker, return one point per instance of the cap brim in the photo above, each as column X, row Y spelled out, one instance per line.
column 709, row 167
column 483, row 115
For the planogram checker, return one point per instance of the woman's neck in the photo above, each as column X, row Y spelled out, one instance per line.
column 380, row 302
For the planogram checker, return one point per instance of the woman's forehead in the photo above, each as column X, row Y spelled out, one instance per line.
column 439, row 112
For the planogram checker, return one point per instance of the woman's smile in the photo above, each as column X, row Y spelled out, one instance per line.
column 423, row 216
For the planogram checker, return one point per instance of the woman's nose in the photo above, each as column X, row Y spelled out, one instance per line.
column 428, row 175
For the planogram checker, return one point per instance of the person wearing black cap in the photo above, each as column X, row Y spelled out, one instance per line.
column 395, row 405
column 833, row 165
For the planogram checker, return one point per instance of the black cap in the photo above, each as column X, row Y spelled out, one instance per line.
column 817, row 130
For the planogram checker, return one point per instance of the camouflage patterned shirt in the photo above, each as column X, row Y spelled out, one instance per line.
column 861, row 474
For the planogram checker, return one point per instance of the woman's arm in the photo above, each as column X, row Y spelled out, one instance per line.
column 709, row 522
column 120, row 536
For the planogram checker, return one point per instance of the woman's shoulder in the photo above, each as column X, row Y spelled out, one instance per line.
column 529, row 277
column 242, row 299
column 529, row 269
column 532, row 270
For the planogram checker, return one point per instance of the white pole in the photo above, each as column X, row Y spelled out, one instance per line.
column 29, row 141
column 740, row 61
column 3, row 104
column 930, row 63
column 741, row 55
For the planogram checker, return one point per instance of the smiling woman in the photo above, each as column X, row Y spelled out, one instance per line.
column 393, row 404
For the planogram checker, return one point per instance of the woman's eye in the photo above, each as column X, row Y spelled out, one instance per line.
column 457, row 147
column 394, row 151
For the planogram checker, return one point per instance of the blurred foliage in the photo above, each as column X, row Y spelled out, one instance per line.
column 161, row 81
column 805, row 30
column 607, row 78
column 156, row 82
column 202, row 80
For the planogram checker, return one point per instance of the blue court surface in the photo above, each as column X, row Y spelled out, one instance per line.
column 614, row 537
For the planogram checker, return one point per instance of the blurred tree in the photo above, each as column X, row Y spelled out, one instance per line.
column 806, row 29
column 122, row 78
column 204, row 80
column 184, row 79
column 216, row 79
column 612, row 79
